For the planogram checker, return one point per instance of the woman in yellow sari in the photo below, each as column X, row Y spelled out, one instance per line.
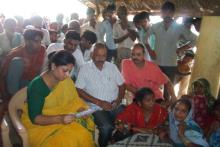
column 52, row 100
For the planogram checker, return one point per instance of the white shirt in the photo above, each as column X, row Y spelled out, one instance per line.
column 118, row 32
column 46, row 39
column 101, row 84
column 78, row 55
column 166, row 42
column 87, row 26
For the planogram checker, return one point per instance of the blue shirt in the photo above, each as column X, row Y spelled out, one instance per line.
column 106, row 29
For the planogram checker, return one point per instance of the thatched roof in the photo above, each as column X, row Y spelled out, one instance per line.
column 183, row 7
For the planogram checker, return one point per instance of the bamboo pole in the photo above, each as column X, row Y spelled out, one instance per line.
column 207, row 60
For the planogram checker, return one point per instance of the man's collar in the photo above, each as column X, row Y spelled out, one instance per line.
column 104, row 65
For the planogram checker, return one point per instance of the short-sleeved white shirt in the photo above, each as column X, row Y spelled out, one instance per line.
column 118, row 32
column 101, row 84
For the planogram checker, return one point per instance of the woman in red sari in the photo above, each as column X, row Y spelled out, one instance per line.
column 143, row 115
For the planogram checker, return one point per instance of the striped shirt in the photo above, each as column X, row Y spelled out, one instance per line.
column 101, row 84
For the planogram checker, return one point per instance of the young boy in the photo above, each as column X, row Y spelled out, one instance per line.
column 183, row 72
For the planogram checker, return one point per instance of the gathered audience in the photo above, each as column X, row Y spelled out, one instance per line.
column 23, row 63
column 109, row 72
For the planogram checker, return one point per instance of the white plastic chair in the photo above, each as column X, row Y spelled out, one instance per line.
column 5, row 133
column 16, row 103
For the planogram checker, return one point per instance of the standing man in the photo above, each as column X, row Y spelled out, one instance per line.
column 167, row 35
column 124, row 34
column 9, row 38
column 101, row 84
column 106, row 28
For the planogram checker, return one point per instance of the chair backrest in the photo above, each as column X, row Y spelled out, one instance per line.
column 16, row 103
column 18, row 100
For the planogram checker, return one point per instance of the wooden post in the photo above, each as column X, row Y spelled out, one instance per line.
column 207, row 59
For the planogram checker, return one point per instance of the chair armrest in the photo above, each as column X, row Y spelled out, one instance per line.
column 4, row 125
column 5, row 133
column 19, row 126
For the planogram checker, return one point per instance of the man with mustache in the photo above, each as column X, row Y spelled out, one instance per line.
column 167, row 35
column 139, row 73
column 102, row 86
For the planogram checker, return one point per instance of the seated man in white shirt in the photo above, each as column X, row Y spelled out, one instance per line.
column 101, row 84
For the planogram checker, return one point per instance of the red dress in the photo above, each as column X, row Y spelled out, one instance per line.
column 134, row 115
column 200, row 104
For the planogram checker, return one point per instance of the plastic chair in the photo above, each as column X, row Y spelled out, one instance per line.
column 16, row 103
column 5, row 133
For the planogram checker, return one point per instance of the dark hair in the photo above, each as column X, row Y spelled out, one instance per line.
column 139, row 45
column 144, row 15
column 60, row 58
column 184, row 100
column 136, row 18
column 205, row 84
column 142, row 93
column 189, row 53
column 141, row 16
column 110, row 8
column 31, row 34
column 72, row 35
column 123, row 8
column 168, row 6
column 197, row 20
column 64, row 27
column 216, row 105
column 90, row 36
column 188, row 20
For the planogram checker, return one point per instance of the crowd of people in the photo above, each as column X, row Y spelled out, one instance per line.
column 69, row 68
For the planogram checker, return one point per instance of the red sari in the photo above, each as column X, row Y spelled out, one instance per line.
column 134, row 115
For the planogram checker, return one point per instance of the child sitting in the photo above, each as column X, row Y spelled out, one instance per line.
column 214, row 130
column 182, row 129
column 202, row 101
column 183, row 72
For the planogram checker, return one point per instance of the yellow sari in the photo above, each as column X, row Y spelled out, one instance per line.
column 63, row 99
